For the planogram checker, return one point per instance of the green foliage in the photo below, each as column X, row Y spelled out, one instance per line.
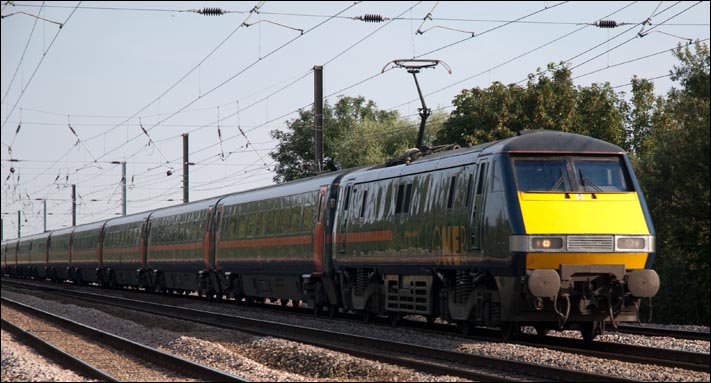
column 674, row 172
column 639, row 116
column 484, row 115
column 549, row 101
column 355, row 133
column 599, row 114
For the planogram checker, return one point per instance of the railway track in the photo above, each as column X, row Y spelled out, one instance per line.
column 606, row 350
column 655, row 331
column 57, row 355
column 171, row 367
column 426, row 357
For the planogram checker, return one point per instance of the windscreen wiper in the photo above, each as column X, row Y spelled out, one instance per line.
column 561, row 181
column 586, row 182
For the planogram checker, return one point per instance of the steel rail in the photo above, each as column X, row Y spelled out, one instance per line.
column 158, row 357
column 655, row 331
column 61, row 357
column 428, row 359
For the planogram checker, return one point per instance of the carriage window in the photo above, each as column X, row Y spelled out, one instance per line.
column 284, row 220
column 408, row 198
column 295, row 225
column 362, row 207
column 320, row 207
column 450, row 199
column 308, row 219
column 404, row 196
column 400, row 198
column 347, row 197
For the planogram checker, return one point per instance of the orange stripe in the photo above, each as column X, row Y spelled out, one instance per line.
column 176, row 246
column 266, row 242
column 84, row 252
column 120, row 250
column 366, row 236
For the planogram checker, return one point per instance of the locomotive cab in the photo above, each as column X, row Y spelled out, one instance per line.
column 586, row 240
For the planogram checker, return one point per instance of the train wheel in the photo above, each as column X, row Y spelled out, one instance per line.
column 366, row 316
column 541, row 331
column 589, row 330
column 394, row 318
column 464, row 327
column 317, row 310
column 295, row 303
column 510, row 330
column 332, row 310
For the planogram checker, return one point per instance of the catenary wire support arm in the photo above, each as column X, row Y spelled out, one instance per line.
column 31, row 15
column 414, row 66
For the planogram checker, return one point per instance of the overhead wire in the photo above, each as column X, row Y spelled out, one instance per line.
column 44, row 55
column 239, row 26
column 22, row 57
column 233, row 77
column 242, row 71
column 620, row 64
column 638, row 35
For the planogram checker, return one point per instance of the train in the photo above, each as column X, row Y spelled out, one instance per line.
column 545, row 229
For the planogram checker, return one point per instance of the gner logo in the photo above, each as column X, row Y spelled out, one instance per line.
column 448, row 244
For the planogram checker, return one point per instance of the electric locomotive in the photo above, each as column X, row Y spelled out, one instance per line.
column 547, row 228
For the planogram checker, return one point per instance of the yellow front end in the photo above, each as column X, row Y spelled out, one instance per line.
column 591, row 226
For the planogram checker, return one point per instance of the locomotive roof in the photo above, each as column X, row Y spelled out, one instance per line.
column 548, row 141
column 531, row 141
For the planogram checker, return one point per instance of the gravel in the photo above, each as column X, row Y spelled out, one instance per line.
column 255, row 358
column 269, row 359
column 21, row 364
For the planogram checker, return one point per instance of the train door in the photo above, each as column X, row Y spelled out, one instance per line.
column 100, row 248
column 477, row 204
column 143, row 242
column 319, row 232
column 206, row 243
column 214, row 248
column 344, row 216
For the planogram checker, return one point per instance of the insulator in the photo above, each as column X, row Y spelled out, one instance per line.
column 607, row 24
column 368, row 18
column 211, row 11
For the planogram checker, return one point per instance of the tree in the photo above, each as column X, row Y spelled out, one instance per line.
column 549, row 101
column 639, row 116
column 598, row 113
column 484, row 115
column 355, row 132
column 674, row 173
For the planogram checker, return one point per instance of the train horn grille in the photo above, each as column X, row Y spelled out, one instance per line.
column 600, row 243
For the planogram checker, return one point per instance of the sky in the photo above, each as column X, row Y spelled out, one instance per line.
column 123, row 81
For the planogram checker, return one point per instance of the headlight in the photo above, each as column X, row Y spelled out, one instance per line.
column 546, row 243
column 631, row 243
